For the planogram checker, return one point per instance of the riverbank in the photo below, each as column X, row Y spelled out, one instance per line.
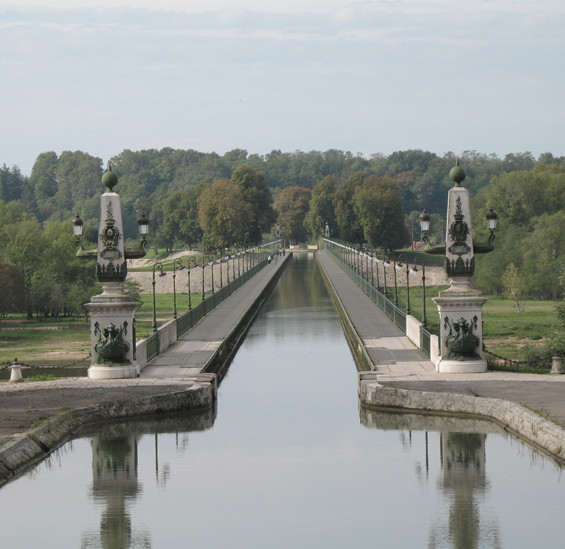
column 400, row 377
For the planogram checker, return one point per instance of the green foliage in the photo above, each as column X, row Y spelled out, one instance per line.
column 349, row 224
column 512, row 286
column 11, row 183
column 223, row 213
column 12, row 296
column 257, row 194
column 531, row 232
column 180, row 217
column 378, row 207
column 321, row 210
column 529, row 197
column 292, row 205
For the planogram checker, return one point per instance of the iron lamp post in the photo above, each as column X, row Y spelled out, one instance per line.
column 203, row 278
column 407, row 281
column 211, row 265
column 219, row 261
column 412, row 272
column 377, row 261
column 191, row 263
column 397, row 267
column 182, row 268
column 162, row 274
column 386, row 265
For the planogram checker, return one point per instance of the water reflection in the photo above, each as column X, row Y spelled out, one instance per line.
column 115, row 484
column 462, row 475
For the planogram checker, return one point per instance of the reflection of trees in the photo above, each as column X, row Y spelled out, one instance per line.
column 115, row 473
column 300, row 292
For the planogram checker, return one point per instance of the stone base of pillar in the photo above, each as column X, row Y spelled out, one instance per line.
column 462, row 366
column 119, row 371
column 112, row 308
column 457, row 306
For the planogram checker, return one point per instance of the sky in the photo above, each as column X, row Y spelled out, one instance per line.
column 371, row 76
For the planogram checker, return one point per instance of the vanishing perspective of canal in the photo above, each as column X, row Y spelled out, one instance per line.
column 288, row 460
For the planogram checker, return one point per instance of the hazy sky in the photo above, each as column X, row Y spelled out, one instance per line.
column 365, row 76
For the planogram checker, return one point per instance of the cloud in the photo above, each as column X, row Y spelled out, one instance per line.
column 367, row 75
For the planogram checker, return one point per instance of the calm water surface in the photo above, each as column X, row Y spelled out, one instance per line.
column 289, row 460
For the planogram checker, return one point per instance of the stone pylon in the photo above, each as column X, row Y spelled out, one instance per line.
column 460, row 307
column 112, row 314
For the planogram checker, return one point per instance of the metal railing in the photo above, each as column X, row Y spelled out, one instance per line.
column 187, row 320
column 390, row 309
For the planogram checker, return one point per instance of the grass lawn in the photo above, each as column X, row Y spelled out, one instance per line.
column 505, row 329
column 61, row 343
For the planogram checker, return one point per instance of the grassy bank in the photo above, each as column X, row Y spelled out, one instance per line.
column 62, row 343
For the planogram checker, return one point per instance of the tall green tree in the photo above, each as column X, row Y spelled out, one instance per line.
column 378, row 206
column 223, row 211
column 180, row 221
column 258, row 196
column 23, row 247
column 348, row 222
column 292, row 205
column 12, row 296
column 322, row 207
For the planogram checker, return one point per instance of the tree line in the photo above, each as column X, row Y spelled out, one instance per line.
column 195, row 198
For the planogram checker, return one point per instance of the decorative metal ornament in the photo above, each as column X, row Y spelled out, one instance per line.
column 111, row 347
column 459, row 231
column 111, row 272
column 461, row 341
column 110, row 236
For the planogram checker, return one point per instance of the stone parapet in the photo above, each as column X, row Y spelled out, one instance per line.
column 529, row 426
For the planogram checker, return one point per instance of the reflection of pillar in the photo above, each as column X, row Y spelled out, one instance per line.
column 114, row 470
column 463, row 476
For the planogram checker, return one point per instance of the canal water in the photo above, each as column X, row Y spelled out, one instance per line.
column 289, row 460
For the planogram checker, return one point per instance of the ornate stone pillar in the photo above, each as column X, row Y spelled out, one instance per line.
column 460, row 307
column 112, row 313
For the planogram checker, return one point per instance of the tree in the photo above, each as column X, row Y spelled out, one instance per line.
column 378, row 206
column 322, row 207
column 223, row 211
column 349, row 225
column 78, row 177
column 512, row 286
column 180, row 221
column 11, row 183
column 12, row 296
column 292, row 206
column 23, row 247
column 258, row 196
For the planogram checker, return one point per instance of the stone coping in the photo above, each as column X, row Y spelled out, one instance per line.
column 512, row 417
column 22, row 450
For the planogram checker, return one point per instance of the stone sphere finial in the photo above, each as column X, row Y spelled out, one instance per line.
column 457, row 174
column 109, row 179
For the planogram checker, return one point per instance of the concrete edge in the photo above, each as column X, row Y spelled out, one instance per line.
column 514, row 418
column 360, row 354
column 26, row 449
